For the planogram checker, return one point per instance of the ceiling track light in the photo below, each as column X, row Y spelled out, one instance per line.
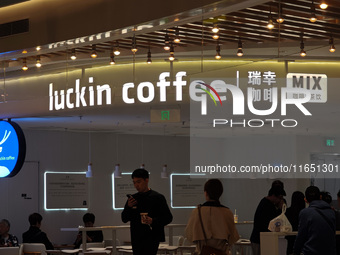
column 24, row 66
column 280, row 19
column 134, row 45
column 323, row 5
column 239, row 48
column 166, row 41
column 38, row 62
column 112, row 59
column 331, row 44
column 172, row 53
column 149, row 61
column 94, row 51
column 312, row 13
column 73, row 54
column 117, row 51
column 215, row 28
column 218, row 51
column 177, row 38
column 302, row 48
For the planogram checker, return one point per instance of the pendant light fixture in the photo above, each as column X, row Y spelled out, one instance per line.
column 216, row 36
column 218, row 51
column 117, row 173
column 134, row 48
column 331, row 44
column 177, row 38
column 24, row 66
column 112, row 59
column 270, row 24
column 89, row 166
column 323, row 5
column 239, row 48
column 280, row 19
column 172, row 53
column 73, row 54
column 117, row 51
column 215, row 28
column 312, row 13
column 38, row 62
column 149, row 61
column 94, row 51
column 166, row 41
column 164, row 173
column 302, row 48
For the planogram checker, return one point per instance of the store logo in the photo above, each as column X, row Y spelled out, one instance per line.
column 12, row 149
column 213, row 90
column 4, row 139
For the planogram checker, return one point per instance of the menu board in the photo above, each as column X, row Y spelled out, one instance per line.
column 186, row 191
column 121, row 187
column 65, row 191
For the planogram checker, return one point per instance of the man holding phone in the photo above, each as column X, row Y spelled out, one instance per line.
column 148, row 213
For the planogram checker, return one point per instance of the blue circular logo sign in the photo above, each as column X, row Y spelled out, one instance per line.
column 12, row 148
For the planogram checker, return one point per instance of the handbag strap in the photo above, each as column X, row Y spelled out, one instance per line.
column 200, row 216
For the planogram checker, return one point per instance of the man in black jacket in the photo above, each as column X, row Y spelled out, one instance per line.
column 316, row 233
column 148, row 213
column 34, row 234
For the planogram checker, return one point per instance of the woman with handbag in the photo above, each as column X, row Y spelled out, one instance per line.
column 211, row 226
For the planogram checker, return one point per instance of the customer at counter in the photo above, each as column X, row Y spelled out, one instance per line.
column 212, row 223
column 268, row 208
column 91, row 236
column 297, row 204
column 316, row 233
column 6, row 239
column 148, row 213
column 34, row 234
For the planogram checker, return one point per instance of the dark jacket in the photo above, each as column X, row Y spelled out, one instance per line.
column 265, row 212
column 157, row 208
column 35, row 235
column 316, row 234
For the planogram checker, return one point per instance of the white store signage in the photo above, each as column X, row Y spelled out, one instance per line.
column 84, row 96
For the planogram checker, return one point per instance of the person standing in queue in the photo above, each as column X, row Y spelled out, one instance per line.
column 148, row 213
column 268, row 208
column 212, row 223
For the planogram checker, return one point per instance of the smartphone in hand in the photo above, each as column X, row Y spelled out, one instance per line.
column 130, row 196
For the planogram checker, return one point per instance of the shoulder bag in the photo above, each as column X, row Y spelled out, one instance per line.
column 206, row 249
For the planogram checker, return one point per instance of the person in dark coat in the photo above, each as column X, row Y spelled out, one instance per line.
column 316, row 233
column 292, row 213
column 34, row 234
column 148, row 213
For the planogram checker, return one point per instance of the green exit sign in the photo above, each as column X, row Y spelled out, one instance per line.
column 330, row 142
column 165, row 115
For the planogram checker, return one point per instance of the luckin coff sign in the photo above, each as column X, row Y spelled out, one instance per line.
column 300, row 89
